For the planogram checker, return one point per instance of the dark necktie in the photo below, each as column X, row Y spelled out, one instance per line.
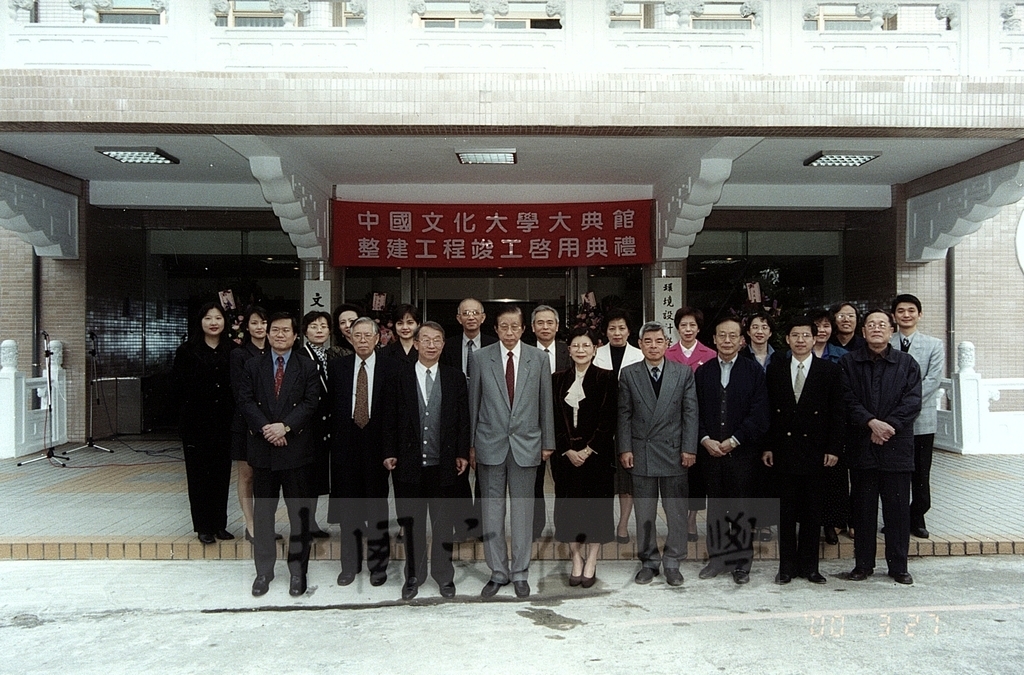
column 656, row 373
column 361, row 414
column 469, row 353
column 904, row 345
column 428, row 385
column 510, row 379
column 278, row 376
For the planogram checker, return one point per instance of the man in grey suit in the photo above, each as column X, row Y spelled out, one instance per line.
column 511, row 418
column 930, row 354
column 657, row 443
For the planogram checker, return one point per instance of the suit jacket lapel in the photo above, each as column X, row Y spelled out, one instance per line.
column 669, row 377
column 498, row 369
column 526, row 365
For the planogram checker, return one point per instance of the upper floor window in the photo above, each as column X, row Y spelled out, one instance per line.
column 520, row 16
column 259, row 14
column 908, row 18
column 132, row 11
column 711, row 16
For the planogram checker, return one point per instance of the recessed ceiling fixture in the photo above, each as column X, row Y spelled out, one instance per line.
column 494, row 156
column 138, row 155
column 840, row 158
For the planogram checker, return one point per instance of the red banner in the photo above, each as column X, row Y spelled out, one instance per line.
column 372, row 234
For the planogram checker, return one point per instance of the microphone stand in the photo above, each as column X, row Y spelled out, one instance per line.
column 90, row 443
column 48, row 419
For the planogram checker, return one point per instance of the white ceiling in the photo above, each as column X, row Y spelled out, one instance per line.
column 770, row 175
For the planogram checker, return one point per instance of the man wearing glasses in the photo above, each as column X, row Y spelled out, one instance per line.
column 882, row 392
column 457, row 353
column 511, row 415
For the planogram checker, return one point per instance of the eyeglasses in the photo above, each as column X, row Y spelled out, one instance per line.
column 877, row 324
column 431, row 342
column 806, row 336
column 363, row 336
column 510, row 326
column 846, row 316
column 281, row 331
column 470, row 312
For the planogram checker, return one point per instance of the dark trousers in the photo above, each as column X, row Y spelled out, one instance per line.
column 267, row 485
column 673, row 491
column 415, row 502
column 539, row 509
column 894, row 490
column 364, row 518
column 800, row 501
column 728, row 480
column 208, row 472
column 920, row 486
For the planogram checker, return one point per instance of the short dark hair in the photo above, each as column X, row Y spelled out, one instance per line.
column 906, row 297
column 759, row 314
column 805, row 320
column 198, row 335
column 310, row 317
column 834, row 309
column 428, row 324
column 281, row 316
column 817, row 315
column 582, row 331
column 616, row 315
column 344, row 307
column 404, row 309
column 697, row 315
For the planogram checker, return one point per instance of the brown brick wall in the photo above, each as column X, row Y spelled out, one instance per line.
column 16, row 296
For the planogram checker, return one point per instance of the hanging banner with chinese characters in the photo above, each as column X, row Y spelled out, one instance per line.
column 373, row 234
column 668, row 297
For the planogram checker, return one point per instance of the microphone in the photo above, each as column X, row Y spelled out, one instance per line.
column 46, row 335
column 92, row 336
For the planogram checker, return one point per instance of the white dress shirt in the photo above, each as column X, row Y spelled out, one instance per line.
column 793, row 369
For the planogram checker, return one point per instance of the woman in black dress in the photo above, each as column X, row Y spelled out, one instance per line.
column 586, row 400
column 202, row 382
column 316, row 332
column 254, row 345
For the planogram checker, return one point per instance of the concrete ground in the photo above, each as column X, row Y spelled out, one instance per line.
column 962, row 615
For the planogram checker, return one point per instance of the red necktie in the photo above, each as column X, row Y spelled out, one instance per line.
column 510, row 380
column 278, row 376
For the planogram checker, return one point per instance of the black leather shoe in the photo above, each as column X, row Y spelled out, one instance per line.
column 522, row 588
column 491, row 589
column 248, row 537
column 858, row 574
column 345, row 578
column 448, row 590
column 902, row 578
column 782, row 579
column 410, row 588
column 587, row 582
column 224, row 534
column 378, row 578
column 645, row 575
column 766, row 534
column 831, row 538
column 207, row 538
column 816, row 578
column 710, row 571
column 575, row 581
column 673, row 577
column 297, row 585
column 260, row 585
column 692, row 536
column 740, row 576
column 619, row 539
column 920, row 532
column 320, row 534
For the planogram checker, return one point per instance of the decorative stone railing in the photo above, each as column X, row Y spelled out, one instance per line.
column 764, row 37
column 28, row 421
column 969, row 426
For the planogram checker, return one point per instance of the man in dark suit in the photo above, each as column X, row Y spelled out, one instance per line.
column 457, row 353
column 426, row 448
column 657, row 439
column 733, row 404
column 359, row 390
column 279, row 394
column 545, row 321
column 806, row 398
column 882, row 393
column 512, row 430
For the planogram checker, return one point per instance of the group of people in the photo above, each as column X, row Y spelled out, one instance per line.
column 806, row 438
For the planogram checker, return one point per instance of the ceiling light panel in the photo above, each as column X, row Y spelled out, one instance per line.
column 499, row 156
column 836, row 158
column 138, row 155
